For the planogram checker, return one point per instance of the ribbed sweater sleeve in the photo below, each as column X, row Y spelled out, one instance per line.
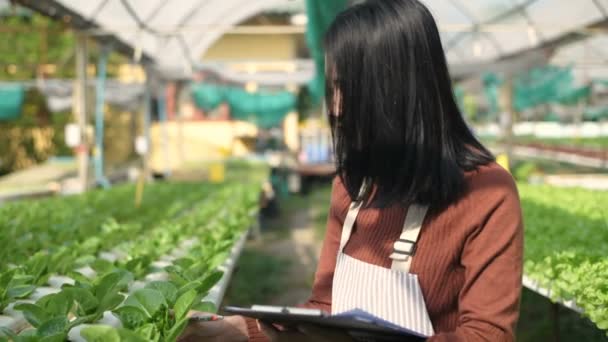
column 322, row 286
column 488, row 302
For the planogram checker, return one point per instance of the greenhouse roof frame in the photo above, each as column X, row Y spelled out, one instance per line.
column 162, row 32
column 174, row 34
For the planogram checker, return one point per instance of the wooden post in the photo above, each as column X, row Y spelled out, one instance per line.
column 507, row 116
column 162, row 111
column 147, row 121
column 100, row 177
column 181, row 153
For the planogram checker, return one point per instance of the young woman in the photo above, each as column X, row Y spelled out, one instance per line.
column 424, row 228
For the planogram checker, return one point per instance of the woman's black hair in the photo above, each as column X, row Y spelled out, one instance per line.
column 397, row 124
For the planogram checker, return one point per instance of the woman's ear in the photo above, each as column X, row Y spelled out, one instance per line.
column 337, row 102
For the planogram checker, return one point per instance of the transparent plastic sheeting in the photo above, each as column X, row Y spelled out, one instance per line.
column 174, row 32
column 589, row 58
column 506, row 27
column 179, row 31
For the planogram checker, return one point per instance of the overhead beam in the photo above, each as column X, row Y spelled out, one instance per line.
column 567, row 38
column 465, row 11
column 522, row 59
column 513, row 65
column 601, row 8
column 99, row 8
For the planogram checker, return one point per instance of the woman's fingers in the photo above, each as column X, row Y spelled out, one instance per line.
column 229, row 329
column 269, row 330
column 276, row 335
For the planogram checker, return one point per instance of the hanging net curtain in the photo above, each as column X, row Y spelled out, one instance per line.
column 264, row 109
column 548, row 84
column 538, row 86
column 269, row 109
column 321, row 14
column 492, row 83
column 208, row 97
column 596, row 113
column 11, row 101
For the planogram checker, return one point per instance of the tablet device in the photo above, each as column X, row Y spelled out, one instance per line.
column 360, row 326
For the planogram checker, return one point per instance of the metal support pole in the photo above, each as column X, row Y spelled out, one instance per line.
column 181, row 152
column 80, row 110
column 100, row 177
column 162, row 111
column 147, row 120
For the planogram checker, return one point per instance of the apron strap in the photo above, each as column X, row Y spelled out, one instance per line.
column 405, row 247
column 351, row 217
column 349, row 222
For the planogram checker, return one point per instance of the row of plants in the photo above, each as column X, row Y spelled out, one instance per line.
column 203, row 235
column 594, row 143
column 567, row 244
column 90, row 220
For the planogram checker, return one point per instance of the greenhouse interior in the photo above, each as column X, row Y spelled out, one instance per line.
column 174, row 169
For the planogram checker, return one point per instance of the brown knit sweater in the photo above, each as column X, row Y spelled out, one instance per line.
column 468, row 257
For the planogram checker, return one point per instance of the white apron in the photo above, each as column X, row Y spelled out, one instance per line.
column 391, row 294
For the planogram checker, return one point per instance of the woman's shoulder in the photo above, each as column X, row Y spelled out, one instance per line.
column 338, row 190
column 489, row 182
column 340, row 199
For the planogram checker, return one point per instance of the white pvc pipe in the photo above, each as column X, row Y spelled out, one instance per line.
column 216, row 294
column 533, row 285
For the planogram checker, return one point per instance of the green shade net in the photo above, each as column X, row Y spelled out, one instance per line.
column 574, row 95
column 603, row 82
column 321, row 14
column 538, row 86
column 547, row 84
column 491, row 89
column 11, row 101
column 459, row 95
column 263, row 109
column 596, row 113
column 207, row 97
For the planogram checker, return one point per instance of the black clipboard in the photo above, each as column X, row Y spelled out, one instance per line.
column 360, row 330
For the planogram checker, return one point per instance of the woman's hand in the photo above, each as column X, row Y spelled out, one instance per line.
column 304, row 333
column 229, row 329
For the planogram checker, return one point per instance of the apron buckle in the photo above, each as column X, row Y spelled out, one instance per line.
column 406, row 247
